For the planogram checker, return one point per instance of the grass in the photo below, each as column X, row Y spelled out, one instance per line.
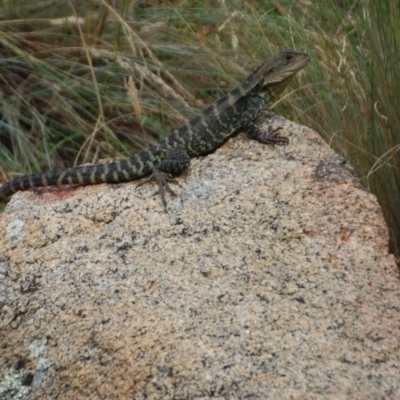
column 106, row 81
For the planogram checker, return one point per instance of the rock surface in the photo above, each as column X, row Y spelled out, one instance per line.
column 268, row 277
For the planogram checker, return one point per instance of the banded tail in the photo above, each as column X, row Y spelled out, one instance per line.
column 122, row 170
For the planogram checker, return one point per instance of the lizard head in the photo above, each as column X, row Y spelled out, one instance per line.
column 275, row 74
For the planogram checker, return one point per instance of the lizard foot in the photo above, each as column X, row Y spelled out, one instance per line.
column 274, row 137
column 162, row 179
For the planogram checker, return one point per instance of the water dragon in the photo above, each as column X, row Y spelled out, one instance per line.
column 236, row 111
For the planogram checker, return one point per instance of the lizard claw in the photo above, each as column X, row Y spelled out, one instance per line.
column 274, row 137
column 162, row 179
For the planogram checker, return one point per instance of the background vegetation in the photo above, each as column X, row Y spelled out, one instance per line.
column 82, row 81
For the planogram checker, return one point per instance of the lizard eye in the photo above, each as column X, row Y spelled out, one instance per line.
column 289, row 57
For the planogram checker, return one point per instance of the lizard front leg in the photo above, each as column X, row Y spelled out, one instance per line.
column 271, row 136
column 174, row 162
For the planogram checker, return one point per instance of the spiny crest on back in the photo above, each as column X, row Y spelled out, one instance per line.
column 270, row 77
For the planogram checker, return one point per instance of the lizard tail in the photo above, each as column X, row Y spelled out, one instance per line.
column 113, row 172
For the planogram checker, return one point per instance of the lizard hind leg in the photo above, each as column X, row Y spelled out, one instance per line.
column 174, row 162
column 162, row 179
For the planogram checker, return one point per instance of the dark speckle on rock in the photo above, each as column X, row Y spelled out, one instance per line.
column 267, row 278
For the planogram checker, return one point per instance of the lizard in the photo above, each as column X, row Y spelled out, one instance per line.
column 236, row 111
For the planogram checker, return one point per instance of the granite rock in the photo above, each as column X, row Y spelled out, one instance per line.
column 267, row 278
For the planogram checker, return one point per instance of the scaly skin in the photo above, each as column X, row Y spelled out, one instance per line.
column 204, row 133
